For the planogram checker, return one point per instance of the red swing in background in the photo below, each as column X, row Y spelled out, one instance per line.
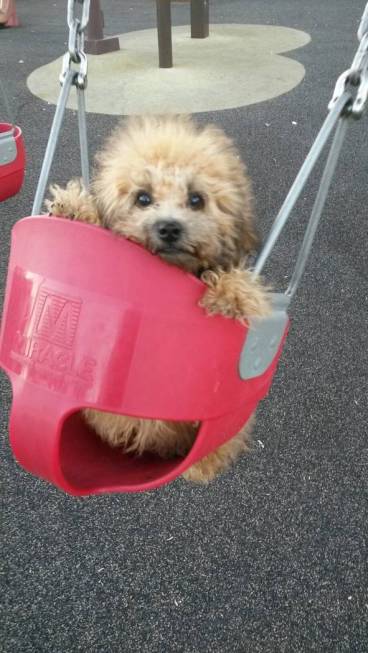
column 12, row 160
column 12, row 152
column 134, row 341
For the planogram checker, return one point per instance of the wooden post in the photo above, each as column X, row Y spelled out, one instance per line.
column 95, row 42
column 164, row 33
column 199, row 18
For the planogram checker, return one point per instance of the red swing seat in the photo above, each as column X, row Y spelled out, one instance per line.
column 12, row 160
column 93, row 320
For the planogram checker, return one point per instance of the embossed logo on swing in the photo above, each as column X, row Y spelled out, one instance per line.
column 56, row 318
column 46, row 343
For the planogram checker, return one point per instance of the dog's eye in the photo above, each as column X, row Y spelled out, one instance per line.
column 195, row 201
column 143, row 199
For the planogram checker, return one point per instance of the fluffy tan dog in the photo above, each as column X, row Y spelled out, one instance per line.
column 182, row 192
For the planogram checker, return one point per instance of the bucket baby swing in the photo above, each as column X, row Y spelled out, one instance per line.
column 76, row 335
column 12, row 153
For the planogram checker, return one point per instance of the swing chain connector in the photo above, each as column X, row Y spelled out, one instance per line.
column 69, row 77
column 355, row 79
column 76, row 54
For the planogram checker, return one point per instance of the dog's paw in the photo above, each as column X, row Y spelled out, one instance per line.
column 72, row 202
column 235, row 294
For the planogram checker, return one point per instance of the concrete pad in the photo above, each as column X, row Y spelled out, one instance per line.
column 236, row 66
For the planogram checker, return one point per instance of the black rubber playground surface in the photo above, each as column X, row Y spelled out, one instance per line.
column 272, row 557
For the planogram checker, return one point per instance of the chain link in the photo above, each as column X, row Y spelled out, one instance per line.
column 356, row 77
column 363, row 27
column 69, row 77
column 84, row 13
column 77, row 26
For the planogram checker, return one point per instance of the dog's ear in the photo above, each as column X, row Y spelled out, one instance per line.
column 249, row 237
column 247, row 242
column 241, row 238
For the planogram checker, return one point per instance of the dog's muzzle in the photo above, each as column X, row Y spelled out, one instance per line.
column 169, row 232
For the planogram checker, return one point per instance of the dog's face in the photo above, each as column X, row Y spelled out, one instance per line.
column 178, row 190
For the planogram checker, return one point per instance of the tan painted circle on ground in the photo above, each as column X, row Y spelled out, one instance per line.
column 236, row 66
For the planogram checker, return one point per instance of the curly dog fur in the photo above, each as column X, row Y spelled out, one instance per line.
column 182, row 192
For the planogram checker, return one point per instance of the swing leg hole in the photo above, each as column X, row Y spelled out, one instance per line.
column 89, row 463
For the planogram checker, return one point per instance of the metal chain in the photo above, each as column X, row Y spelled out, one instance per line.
column 76, row 54
column 356, row 77
column 349, row 99
column 69, row 77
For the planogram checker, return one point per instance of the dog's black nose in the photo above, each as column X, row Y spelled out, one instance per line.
column 169, row 231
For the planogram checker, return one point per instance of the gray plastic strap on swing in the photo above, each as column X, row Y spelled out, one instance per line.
column 265, row 335
column 301, row 180
column 52, row 142
column 264, row 339
column 8, row 148
column 54, row 137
